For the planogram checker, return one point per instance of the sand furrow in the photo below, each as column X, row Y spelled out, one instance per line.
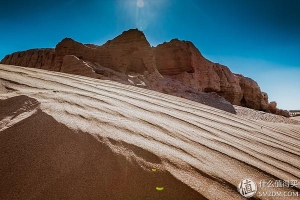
column 205, row 149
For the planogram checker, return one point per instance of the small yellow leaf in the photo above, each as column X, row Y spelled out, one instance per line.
column 159, row 188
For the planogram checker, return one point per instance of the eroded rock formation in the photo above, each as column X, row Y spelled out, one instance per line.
column 73, row 65
column 36, row 58
column 175, row 67
column 272, row 107
column 193, row 70
column 129, row 52
column 251, row 97
column 173, row 58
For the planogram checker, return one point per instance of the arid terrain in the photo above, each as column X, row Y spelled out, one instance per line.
column 176, row 67
column 296, row 118
column 66, row 136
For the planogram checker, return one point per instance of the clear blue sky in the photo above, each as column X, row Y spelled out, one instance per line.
column 257, row 38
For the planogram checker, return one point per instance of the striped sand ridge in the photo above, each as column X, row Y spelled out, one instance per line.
column 72, row 137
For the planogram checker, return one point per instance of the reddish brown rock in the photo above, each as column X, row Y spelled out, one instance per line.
column 69, row 46
column 173, row 57
column 230, row 88
column 272, row 107
column 284, row 113
column 265, row 101
column 73, row 65
column 182, row 61
column 193, row 70
column 129, row 52
column 252, row 97
column 130, row 59
column 35, row 58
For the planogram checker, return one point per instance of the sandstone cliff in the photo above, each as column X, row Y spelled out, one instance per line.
column 182, row 61
column 173, row 58
column 175, row 67
column 129, row 52
column 191, row 68
column 36, row 58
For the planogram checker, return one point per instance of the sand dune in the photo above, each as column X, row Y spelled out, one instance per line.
column 296, row 118
column 263, row 116
column 71, row 137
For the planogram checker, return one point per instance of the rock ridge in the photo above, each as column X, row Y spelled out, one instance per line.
column 176, row 67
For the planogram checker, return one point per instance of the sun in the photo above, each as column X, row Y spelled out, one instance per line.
column 143, row 13
column 140, row 3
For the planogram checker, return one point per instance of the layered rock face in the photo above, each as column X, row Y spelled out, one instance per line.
column 195, row 71
column 182, row 61
column 129, row 52
column 173, row 58
column 175, row 67
column 273, row 109
column 35, row 58
column 73, row 65
column 252, row 97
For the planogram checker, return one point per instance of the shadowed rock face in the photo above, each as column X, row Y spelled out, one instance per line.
column 73, row 65
column 252, row 96
column 173, row 57
column 36, row 58
column 182, row 61
column 130, row 53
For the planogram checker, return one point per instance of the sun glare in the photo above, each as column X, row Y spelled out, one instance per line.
column 142, row 17
column 140, row 3
column 143, row 13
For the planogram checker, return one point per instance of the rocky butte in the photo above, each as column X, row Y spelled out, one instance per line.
column 176, row 68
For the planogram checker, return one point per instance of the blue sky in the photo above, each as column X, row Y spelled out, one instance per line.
column 257, row 38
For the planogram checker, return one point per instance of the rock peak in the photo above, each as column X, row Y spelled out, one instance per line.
column 131, row 35
column 133, row 30
column 67, row 39
column 178, row 61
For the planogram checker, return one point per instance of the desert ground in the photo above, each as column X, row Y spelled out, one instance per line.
column 296, row 118
column 65, row 136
